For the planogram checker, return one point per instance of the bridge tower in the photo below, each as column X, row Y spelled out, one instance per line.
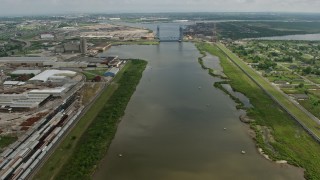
column 181, row 33
column 214, row 34
column 158, row 33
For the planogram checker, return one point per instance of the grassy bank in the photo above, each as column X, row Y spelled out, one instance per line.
column 291, row 142
column 86, row 145
column 6, row 141
column 280, row 97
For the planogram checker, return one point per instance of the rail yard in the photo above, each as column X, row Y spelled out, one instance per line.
column 20, row 159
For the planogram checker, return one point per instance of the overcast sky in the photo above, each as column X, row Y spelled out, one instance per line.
column 21, row 7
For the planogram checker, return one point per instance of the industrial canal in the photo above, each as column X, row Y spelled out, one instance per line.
column 178, row 126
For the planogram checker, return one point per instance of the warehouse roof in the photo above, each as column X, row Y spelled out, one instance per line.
column 13, row 83
column 44, row 76
column 18, row 72
column 26, row 59
column 22, row 100
column 48, row 91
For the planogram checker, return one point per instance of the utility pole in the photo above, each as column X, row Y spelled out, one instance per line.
column 158, row 32
column 214, row 33
column 180, row 34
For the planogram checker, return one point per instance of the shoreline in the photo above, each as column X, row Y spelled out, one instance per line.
column 253, row 132
column 243, row 118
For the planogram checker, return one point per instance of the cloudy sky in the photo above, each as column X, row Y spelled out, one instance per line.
column 21, row 7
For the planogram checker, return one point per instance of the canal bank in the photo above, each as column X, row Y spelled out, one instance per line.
column 172, row 129
column 276, row 132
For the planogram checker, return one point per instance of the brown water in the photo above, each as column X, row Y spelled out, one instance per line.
column 173, row 126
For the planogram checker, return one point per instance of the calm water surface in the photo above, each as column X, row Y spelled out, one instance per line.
column 213, row 62
column 300, row 37
column 173, row 130
column 244, row 99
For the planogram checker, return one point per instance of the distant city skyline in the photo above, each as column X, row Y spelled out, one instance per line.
column 36, row 7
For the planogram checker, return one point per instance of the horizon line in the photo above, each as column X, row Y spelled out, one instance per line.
column 159, row 12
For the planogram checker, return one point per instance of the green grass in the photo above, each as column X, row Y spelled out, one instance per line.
column 315, row 92
column 98, row 72
column 293, row 90
column 315, row 79
column 6, row 141
column 283, row 77
column 89, row 90
column 312, row 105
column 307, row 56
column 80, row 152
column 89, row 75
column 292, row 143
column 61, row 155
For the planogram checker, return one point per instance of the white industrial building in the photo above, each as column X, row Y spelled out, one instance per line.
column 13, row 83
column 47, row 36
column 116, row 62
column 71, row 64
column 45, row 75
column 22, row 71
column 26, row 61
column 22, row 101
column 55, row 92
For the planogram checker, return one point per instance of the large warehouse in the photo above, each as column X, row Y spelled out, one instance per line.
column 45, row 75
column 55, row 92
column 22, row 101
column 22, row 71
column 26, row 61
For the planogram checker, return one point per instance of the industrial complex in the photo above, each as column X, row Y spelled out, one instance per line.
column 41, row 98
column 37, row 105
column 50, row 72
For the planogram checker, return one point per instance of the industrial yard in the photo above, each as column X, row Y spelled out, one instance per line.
column 37, row 105
column 41, row 98
column 47, row 80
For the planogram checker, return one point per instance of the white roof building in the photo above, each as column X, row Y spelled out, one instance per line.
column 47, row 36
column 22, row 100
column 20, row 72
column 31, row 61
column 45, row 75
column 54, row 91
column 13, row 83
column 72, row 64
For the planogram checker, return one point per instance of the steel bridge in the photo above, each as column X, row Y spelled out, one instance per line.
column 170, row 38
